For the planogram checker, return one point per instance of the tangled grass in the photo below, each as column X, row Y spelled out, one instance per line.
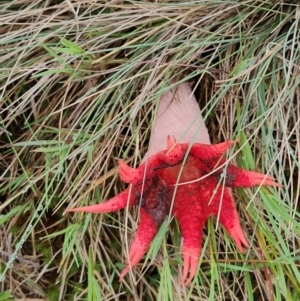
column 80, row 81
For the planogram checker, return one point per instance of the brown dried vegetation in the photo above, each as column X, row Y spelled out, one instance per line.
column 79, row 84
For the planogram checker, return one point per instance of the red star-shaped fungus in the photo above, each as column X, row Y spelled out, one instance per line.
column 205, row 191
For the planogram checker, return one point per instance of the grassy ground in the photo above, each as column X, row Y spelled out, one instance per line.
column 79, row 84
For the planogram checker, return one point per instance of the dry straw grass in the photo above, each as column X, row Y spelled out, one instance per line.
column 79, row 84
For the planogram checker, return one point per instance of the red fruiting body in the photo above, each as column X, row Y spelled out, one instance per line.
column 205, row 189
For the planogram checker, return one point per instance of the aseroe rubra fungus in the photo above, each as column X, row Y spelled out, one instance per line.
column 180, row 153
